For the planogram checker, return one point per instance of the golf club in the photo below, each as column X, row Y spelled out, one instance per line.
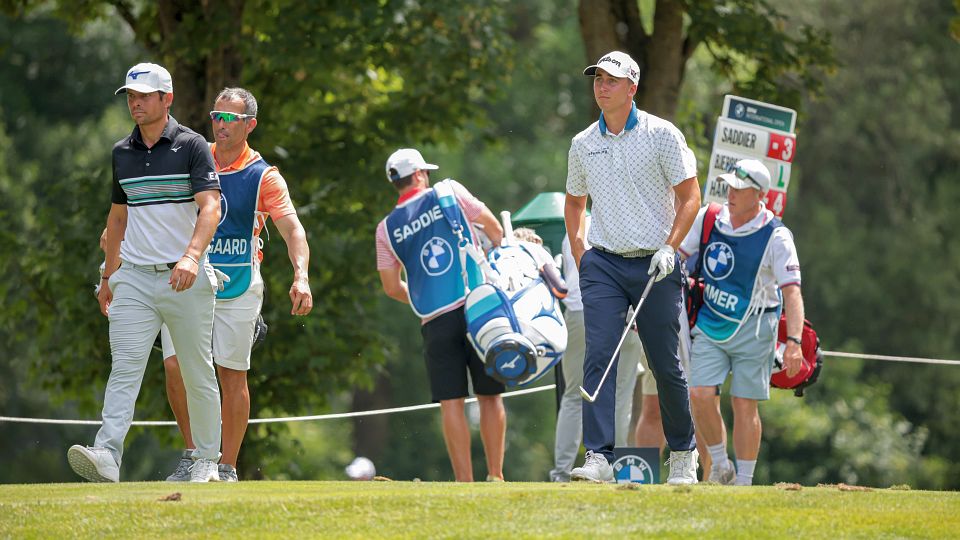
column 646, row 290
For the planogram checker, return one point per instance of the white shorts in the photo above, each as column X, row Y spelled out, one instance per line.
column 234, row 321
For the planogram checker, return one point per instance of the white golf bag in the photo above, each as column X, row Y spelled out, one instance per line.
column 514, row 320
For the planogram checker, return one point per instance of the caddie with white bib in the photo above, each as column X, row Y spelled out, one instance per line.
column 749, row 263
column 421, row 263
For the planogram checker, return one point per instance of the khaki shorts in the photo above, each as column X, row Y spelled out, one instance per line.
column 234, row 321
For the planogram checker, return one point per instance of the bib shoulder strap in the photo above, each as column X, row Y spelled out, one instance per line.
column 448, row 204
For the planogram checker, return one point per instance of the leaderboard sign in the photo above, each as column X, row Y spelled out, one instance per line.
column 757, row 130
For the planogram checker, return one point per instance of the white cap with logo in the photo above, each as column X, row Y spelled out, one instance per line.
column 748, row 173
column 146, row 78
column 405, row 162
column 618, row 64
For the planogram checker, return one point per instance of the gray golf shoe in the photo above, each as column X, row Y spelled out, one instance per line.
column 182, row 472
column 227, row 473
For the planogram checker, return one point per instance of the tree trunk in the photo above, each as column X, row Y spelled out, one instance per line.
column 198, row 74
column 608, row 25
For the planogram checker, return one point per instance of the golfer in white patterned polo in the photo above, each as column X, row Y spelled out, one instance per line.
column 641, row 176
column 166, row 205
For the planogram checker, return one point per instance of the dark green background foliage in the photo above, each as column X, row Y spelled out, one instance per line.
column 492, row 92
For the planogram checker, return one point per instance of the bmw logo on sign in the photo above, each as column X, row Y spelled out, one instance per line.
column 719, row 260
column 632, row 469
column 436, row 256
column 738, row 110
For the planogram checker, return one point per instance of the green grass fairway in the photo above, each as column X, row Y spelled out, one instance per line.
column 446, row 510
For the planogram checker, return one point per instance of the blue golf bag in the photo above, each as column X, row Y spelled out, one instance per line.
column 513, row 318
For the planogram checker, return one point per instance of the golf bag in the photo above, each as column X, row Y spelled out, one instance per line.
column 513, row 318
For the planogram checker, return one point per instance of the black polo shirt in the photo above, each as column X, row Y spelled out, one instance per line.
column 158, row 185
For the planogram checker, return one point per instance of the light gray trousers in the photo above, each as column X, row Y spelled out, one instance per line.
column 142, row 301
column 569, row 423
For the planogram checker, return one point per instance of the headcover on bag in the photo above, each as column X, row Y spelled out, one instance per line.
column 515, row 323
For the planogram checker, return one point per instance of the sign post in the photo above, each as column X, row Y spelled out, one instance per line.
column 752, row 129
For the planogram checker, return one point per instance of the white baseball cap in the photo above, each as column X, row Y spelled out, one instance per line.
column 145, row 77
column 748, row 173
column 618, row 64
column 405, row 162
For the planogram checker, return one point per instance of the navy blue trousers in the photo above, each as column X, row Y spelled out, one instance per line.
column 610, row 285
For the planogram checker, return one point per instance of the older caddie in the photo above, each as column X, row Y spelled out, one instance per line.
column 749, row 263
column 641, row 176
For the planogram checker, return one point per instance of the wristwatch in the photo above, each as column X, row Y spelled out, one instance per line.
column 795, row 339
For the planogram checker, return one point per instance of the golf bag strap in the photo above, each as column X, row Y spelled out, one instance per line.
column 709, row 220
column 451, row 210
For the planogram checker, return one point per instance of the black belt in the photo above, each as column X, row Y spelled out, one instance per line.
column 770, row 309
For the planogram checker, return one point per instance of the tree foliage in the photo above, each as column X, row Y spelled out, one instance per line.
column 747, row 39
column 341, row 84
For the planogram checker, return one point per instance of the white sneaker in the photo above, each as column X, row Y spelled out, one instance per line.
column 724, row 476
column 93, row 463
column 204, row 470
column 683, row 467
column 595, row 468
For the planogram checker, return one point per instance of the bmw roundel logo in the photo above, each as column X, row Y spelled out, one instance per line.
column 738, row 110
column 718, row 260
column 632, row 469
column 436, row 256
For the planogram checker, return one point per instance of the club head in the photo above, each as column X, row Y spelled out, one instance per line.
column 586, row 395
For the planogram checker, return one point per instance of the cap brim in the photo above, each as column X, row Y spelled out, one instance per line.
column 429, row 166
column 142, row 88
column 735, row 182
column 591, row 71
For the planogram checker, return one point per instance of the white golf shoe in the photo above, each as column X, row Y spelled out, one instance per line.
column 204, row 470
column 595, row 468
column 683, row 467
column 93, row 463
column 725, row 476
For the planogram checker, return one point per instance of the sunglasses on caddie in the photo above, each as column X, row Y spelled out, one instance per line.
column 228, row 117
column 744, row 175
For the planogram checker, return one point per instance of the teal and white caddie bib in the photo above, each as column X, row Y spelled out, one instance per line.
column 234, row 246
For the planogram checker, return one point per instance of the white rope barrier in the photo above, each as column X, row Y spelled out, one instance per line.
column 275, row 420
column 893, row 358
column 393, row 410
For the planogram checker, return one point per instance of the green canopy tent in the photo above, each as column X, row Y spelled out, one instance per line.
column 544, row 214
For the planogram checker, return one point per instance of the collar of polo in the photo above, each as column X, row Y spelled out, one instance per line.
column 168, row 130
column 632, row 120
